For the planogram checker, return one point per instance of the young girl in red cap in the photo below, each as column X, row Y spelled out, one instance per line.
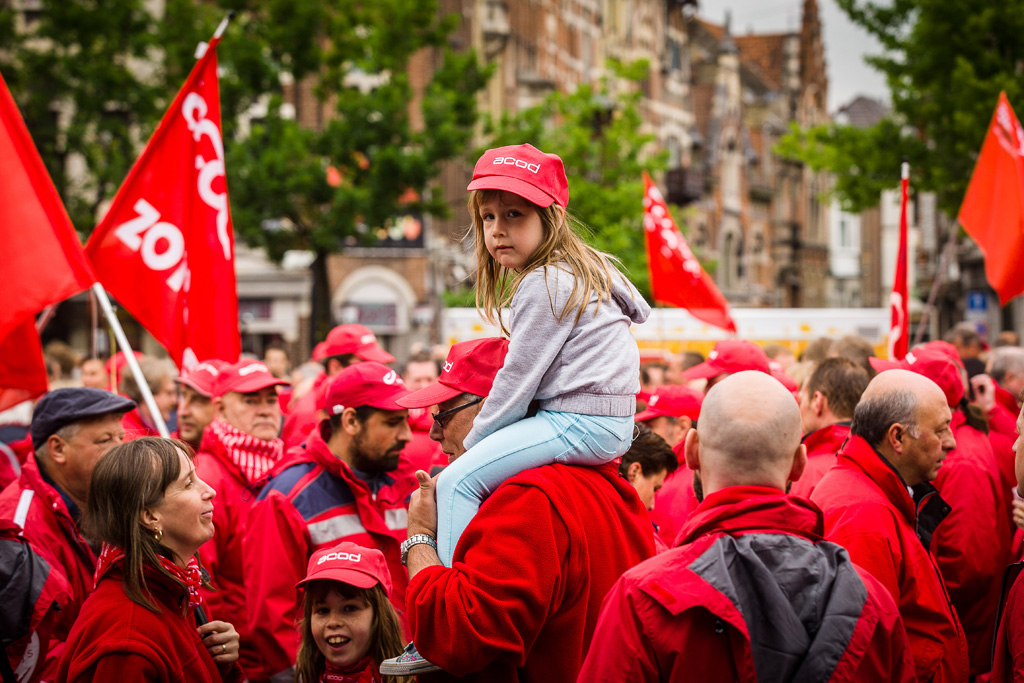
column 570, row 347
column 348, row 624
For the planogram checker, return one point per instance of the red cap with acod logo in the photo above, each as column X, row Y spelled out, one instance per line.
column 672, row 400
column 365, row 384
column 469, row 368
column 349, row 563
column 245, row 377
column 202, row 376
column 523, row 170
column 732, row 356
column 351, row 339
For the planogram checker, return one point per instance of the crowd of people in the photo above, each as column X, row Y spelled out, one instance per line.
column 546, row 505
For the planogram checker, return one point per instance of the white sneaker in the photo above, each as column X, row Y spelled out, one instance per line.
column 409, row 663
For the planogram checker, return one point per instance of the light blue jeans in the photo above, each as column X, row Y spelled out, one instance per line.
column 549, row 437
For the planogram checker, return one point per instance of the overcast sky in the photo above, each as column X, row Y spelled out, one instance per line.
column 845, row 43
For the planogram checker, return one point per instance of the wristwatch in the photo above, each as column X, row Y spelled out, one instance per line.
column 416, row 539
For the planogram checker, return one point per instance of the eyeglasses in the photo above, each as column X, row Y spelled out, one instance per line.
column 442, row 418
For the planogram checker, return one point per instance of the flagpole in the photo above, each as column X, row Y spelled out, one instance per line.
column 133, row 363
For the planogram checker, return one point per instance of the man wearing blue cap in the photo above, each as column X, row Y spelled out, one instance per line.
column 71, row 430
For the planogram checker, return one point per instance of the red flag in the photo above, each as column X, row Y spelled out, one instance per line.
column 165, row 249
column 43, row 258
column 677, row 278
column 992, row 212
column 899, row 327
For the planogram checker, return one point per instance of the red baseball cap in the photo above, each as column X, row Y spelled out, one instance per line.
column 776, row 371
column 351, row 339
column 245, row 377
column 349, row 563
column 470, row 368
column 672, row 400
column 365, row 384
column 732, row 356
column 202, row 376
column 935, row 365
column 523, row 170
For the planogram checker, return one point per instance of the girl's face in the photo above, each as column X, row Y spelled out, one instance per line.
column 342, row 628
column 512, row 229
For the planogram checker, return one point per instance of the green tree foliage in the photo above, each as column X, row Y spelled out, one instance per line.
column 597, row 130
column 945, row 62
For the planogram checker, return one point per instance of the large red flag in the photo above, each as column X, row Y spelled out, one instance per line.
column 677, row 278
column 165, row 249
column 899, row 327
column 992, row 212
column 43, row 260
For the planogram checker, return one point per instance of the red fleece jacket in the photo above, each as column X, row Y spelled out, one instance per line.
column 522, row 597
column 822, row 446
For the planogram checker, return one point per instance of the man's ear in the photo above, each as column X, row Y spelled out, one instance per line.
column 894, row 437
column 819, row 403
column 633, row 471
column 691, row 450
column 218, row 406
column 57, row 448
column 350, row 423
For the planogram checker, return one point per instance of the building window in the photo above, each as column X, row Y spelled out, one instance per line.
column 254, row 309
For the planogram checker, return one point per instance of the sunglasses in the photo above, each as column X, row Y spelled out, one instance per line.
column 441, row 419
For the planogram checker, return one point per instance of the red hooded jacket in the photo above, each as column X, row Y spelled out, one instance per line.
column 868, row 510
column 750, row 555
column 674, row 502
column 314, row 500
column 972, row 563
column 40, row 510
column 822, row 446
column 1008, row 654
column 522, row 597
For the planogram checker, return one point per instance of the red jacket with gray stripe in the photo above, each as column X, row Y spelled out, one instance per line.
column 751, row 593
column 312, row 501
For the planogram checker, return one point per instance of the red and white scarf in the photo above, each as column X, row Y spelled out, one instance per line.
column 191, row 576
column 253, row 457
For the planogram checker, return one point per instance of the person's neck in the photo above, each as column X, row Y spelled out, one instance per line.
column 339, row 446
column 56, row 477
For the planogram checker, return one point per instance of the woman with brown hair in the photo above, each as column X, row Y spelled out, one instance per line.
column 145, row 621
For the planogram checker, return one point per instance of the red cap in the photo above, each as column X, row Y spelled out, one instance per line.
column 245, row 377
column 365, row 384
column 933, row 364
column 470, row 368
column 523, row 170
column 349, row 563
column 202, row 376
column 776, row 371
column 673, row 400
column 351, row 339
column 732, row 356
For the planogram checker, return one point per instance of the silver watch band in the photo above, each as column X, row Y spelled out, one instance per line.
column 416, row 539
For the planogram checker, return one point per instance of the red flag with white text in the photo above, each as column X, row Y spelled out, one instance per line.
column 43, row 261
column 677, row 278
column 992, row 212
column 165, row 249
column 899, row 322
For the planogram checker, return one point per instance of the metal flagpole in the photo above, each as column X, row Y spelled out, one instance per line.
column 133, row 363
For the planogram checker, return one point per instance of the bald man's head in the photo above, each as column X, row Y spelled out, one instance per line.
column 748, row 434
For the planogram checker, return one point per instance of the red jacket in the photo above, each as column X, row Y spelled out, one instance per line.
column 750, row 555
column 314, row 501
column 222, row 556
column 972, row 563
column 1008, row 655
column 302, row 418
column 822, row 446
column 116, row 639
column 674, row 502
column 47, row 524
column 522, row 597
column 869, row 511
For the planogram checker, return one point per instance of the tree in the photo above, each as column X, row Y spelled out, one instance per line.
column 598, row 133
column 945, row 62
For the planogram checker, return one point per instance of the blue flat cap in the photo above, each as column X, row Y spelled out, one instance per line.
column 63, row 406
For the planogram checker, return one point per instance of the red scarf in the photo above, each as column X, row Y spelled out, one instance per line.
column 253, row 457
column 191, row 576
column 363, row 671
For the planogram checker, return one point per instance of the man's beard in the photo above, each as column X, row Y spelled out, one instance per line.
column 364, row 463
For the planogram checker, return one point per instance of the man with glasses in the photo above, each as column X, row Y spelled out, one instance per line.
column 531, row 569
column 346, row 483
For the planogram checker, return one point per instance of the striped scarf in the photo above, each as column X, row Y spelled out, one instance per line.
column 253, row 457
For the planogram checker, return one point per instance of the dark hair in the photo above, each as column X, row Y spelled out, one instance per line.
column 651, row 451
column 345, row 359
column 817, row 350
column 857, row 349
column 363, row 413
column 691, row 359
column 129, row 478
column 841, row 381
column 964, row 333
column 874, row 415
column 386, row 640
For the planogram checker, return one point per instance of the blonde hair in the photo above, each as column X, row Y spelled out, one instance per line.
column 561, row 244
column 386, row 640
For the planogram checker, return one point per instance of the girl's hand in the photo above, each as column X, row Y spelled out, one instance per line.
column 221, row 641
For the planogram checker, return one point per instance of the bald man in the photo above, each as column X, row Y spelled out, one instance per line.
column 879, row 504
column 750, row 592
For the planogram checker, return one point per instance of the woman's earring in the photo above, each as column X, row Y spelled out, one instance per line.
column 158, row 534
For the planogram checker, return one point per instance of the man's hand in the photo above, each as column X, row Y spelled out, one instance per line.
column 423, row 507
column 984, row 392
